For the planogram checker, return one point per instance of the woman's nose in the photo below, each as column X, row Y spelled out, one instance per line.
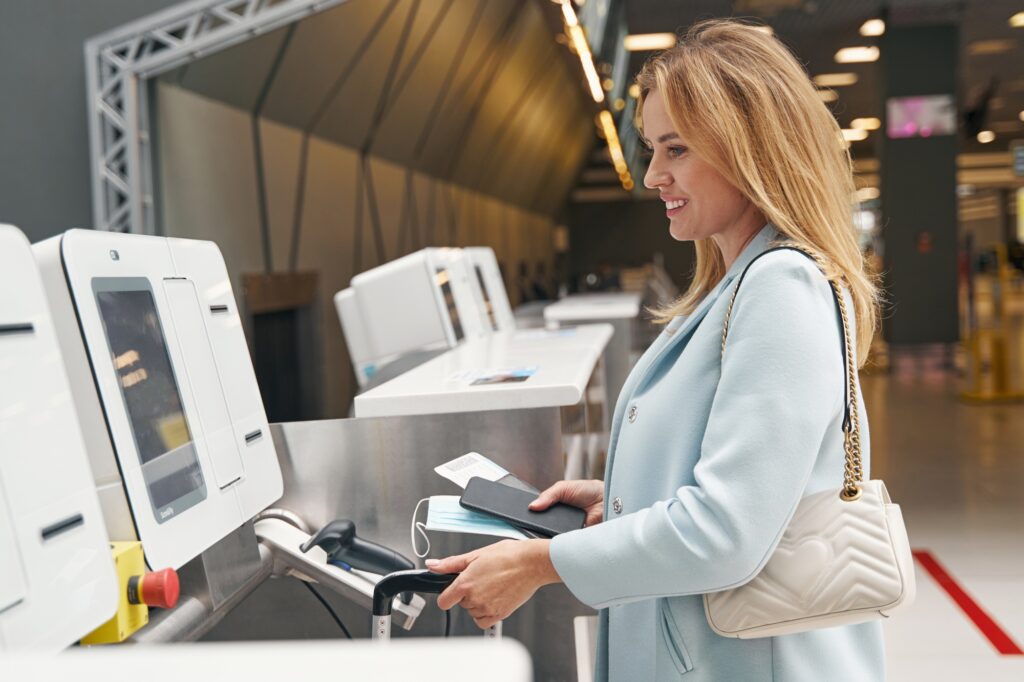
column 655, row 178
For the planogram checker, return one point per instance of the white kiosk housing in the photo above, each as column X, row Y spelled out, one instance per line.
column 156, row 352
column 426, row 299
column 354, row 330
column 57, row 580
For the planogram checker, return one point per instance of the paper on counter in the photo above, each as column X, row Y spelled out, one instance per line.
column 471, row 464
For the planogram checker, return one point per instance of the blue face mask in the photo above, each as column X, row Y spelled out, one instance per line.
column 444, row 513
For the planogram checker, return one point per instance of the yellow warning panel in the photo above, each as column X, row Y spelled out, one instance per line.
column 129, row 563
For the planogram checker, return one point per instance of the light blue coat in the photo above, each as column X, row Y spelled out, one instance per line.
column 708, row 461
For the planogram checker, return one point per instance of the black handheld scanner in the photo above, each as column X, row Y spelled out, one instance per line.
column 419, row 581
column 338, row 538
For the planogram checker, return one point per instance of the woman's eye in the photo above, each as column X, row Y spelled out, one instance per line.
column 676, row 152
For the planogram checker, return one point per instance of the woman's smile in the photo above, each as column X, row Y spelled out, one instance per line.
column 674, row 206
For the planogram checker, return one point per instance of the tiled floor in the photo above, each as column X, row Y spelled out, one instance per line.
column 957, row 471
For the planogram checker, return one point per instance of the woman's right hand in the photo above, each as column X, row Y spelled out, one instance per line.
column 587, row 495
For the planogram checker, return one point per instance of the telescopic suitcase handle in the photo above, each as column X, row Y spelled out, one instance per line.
column 421, row 581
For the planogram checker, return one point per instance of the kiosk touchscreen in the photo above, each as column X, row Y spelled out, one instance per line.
column 171, row 377
column 57, row 580
column 497, row 310
column 426, row 299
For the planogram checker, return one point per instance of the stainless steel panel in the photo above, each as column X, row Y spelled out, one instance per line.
column 373, row 471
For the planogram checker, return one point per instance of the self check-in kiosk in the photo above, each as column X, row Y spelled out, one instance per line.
column 57, row 578
column 426, row 299
column 156, row 354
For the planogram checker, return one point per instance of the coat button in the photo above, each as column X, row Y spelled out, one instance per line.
column 632, row 414
column 617, row 505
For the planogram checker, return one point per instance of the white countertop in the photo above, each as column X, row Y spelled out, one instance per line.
column 564, row 361
column 615, row 305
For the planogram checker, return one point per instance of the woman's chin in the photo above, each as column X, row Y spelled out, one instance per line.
column 681, row 232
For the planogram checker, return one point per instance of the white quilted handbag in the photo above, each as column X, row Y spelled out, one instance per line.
column 844, row 558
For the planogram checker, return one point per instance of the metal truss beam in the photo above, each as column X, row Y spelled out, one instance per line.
column 119, row 64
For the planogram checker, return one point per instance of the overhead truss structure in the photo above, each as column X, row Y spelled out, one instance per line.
column 121, row 62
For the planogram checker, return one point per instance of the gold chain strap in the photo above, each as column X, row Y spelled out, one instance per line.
column 854, row 471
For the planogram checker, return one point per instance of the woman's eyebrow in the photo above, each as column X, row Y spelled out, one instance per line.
column 668, row 136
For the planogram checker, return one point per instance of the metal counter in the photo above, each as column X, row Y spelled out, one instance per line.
column 373, row 471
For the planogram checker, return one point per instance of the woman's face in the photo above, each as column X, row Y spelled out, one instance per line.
column 699, row 202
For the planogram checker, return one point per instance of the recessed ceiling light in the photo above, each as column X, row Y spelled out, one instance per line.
column 647, row 42
column 1021, row 115
column 828, row 95
column 986, row 136
column 854, row 134
column 834, row 80
column 980, row 47
column 858, row 55
column 866, row 123
column 634, row 91
column 872, row 27
column 1017, row 20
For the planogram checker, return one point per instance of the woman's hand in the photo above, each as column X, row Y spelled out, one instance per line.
column 496, row 580
column 587, row 495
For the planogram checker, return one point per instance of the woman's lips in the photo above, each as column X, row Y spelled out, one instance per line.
column 674, row 206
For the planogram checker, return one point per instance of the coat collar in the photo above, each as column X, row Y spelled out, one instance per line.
column 682, row 325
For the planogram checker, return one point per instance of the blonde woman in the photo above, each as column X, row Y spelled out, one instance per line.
column 711, row 453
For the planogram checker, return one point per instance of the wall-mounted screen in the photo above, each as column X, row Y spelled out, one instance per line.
column 138, row 351
column 921, row 116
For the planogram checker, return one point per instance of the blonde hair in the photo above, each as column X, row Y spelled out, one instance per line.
column 745, row 105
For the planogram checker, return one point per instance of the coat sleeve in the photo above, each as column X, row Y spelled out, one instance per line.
column 781, row 387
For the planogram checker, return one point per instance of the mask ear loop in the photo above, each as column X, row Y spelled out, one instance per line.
column 419, row 526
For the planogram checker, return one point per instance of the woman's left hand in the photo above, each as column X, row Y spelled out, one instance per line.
column 496, row 580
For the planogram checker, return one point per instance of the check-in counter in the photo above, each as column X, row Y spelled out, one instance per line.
column 501, row 372
column 619, row 309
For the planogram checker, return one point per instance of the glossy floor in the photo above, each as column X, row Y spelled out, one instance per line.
column 957, row 471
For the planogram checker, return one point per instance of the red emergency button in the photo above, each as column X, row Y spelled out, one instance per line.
column 160, row 589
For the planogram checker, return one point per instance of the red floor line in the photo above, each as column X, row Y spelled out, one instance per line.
column 999, row 638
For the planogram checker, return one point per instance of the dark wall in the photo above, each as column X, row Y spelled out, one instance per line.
column 919, row 204
column 625, row 234
column 44, row 141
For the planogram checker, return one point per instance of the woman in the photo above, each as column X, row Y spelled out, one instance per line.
column 711, row 453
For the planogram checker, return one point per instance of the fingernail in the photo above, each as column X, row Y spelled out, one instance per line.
column 432, row 562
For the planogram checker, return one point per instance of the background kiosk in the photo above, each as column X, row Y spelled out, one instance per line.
column 57, row 578
column 405, row 312
column 423, row 300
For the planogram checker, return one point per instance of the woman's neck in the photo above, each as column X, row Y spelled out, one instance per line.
column 731, row 242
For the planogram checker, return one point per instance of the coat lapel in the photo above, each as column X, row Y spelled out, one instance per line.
column 681, row 328
column 758, row 244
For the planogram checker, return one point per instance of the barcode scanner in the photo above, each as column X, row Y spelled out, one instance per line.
column 346, row 550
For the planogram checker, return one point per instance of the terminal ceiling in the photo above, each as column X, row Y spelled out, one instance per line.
column 472, row 91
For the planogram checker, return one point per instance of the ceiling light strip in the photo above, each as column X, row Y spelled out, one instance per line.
column 579, row 41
